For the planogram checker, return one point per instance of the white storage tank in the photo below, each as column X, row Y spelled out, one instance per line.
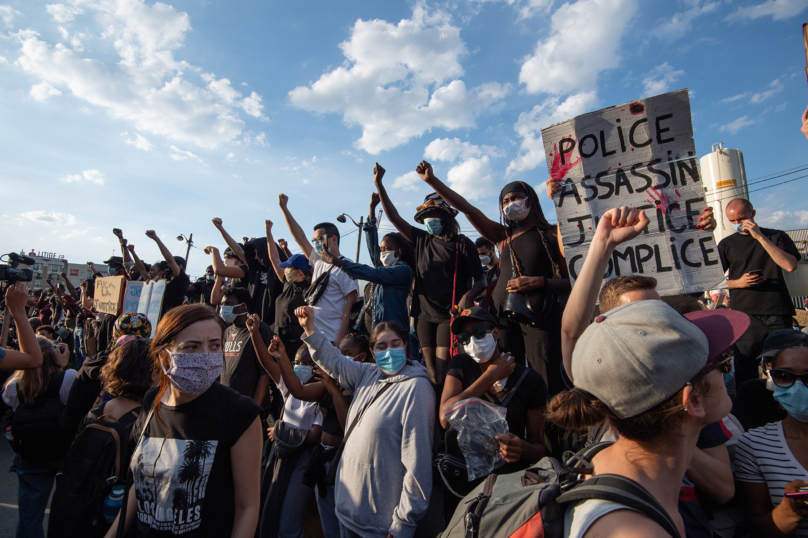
column 724, row 178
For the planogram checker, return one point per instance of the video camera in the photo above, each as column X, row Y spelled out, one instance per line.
column 11, row 274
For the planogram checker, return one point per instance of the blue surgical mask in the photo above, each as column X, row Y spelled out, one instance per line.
column 433, row 226
column 303, row 373
column 391, row 360
column 794, row 400
column 227, row 313
column 738, row 227
column 111, row 271
column 318, row 247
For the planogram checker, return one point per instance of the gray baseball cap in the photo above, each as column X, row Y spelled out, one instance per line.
column 637, row 356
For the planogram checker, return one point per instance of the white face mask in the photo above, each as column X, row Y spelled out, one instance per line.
column 517, row 210
column 389, row 258
column 485, row 260
column 483, row 349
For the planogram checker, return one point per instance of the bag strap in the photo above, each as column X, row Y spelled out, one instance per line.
column 624, row 491
column 510, row 395
column 362, row 412
column 125, row 502
column 453, row 345
column 474, row 512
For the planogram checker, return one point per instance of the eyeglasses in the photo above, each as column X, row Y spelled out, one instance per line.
column 786, row 378
column 725, row 367
column 477, row 332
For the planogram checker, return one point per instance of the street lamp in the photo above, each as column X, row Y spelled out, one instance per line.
column 341, row 219
column 190, row 241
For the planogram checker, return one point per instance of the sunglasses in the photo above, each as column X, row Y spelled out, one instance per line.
column 786, row 378
column 477, row 332
column 725, row 367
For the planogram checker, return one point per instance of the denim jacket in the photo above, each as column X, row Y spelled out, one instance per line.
column 393, row 284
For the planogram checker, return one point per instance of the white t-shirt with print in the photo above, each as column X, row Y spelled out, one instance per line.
column 329, row 309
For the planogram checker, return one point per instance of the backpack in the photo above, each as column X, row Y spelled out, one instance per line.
column 532, row 504
column 97, row 461
column 36, row 430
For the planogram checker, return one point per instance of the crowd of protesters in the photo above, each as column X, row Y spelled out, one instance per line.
column 273, row 382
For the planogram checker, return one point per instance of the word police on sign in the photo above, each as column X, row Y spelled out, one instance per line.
column 639, row 154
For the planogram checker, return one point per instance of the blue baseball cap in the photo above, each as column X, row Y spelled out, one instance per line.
column 297, row 260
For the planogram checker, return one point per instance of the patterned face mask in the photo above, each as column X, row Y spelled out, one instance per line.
column 194, row 373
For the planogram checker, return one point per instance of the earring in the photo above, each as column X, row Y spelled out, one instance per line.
column 687, row 409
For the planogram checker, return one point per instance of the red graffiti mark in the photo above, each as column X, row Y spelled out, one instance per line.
column 632, row 149
column 619, row 164
column 677, row 193
column 636, row 108
column 559, row 171
column 661, row 199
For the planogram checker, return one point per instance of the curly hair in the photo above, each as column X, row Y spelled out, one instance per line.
column 128, row 371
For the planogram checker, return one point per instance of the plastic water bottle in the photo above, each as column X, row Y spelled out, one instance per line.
column 112, row 504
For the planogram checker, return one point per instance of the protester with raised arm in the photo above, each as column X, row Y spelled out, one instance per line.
column 448, row 274
column 139, row 265
column 754, row 259
column 177, row 286
column 339, row 291
column 30, row 354
column 532, row 264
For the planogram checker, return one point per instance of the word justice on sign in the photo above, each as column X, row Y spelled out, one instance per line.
column 639, row 154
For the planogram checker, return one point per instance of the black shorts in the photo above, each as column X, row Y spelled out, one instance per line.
column 432, row 334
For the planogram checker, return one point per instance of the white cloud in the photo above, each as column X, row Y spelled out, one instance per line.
column 660, row 79
column 450, row 149
column 473, row 178
column 584, row 40
column 681, row 23
column 260, row 140
column 784, row 220
column 774, row 87
column 93, row 176
column 46, row 217
column 42, row 91
column 384, row 85
column 777, row 9
column 736, row 125
column 63, row 14
column 147, row 86
column 180, row 155
column 530, row 124
column 410, row 181
column 140, row 142
column 230, row 157
column 7, row 14
column 525, row 8
column 735, row 97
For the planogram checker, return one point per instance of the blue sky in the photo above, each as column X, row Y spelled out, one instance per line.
column 141, row 115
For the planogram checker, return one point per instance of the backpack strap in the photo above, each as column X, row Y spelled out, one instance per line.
column 624, row 491
column 510, row 395
column 476, row 507
column 54, row 385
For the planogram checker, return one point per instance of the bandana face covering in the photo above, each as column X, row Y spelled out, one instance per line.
column 194, row 373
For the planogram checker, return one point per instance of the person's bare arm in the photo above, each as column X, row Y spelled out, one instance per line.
column 711, row 472
column 219, row 268
column 616, row 226
column 30, row 355
column 245, row 457
column 138, row 263
column 346, row 317
column 453, row 392
column 70, row 288
column 261, row 388
column 124, row 251
column 285, row 247
column 340, row 405
column 169, row 258
column 491, row 230
column 238, row 252
column 216, row 292
column 274, row 257
column 297, row 232
column 786, row 261
column 767, row 520
column 314, row 435
column 404, row 227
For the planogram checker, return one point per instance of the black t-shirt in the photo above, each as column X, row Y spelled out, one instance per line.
column 202, row 291
column 755, row 405
column 741, row 253
column 331, row 423
column 84, row 391
column 435, row 270
column 182, row 468
column 262, row 283
column 533, row 260
column 531, row 394
column 175, row 291
column 242, row 368
column 286, row 325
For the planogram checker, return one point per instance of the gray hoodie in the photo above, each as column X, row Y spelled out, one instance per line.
column 384, row 479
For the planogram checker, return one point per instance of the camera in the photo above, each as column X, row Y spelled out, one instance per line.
column 10, row 273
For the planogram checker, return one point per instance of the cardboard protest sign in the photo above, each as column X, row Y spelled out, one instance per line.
column 131, row 297
column 151, row 299
column 108, row 292
column 639, row 154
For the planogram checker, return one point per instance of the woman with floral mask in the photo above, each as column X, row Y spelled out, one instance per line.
column 532, row 262
column 384, row 477
column 446, row 265
column 196, row 469
column 771, row 462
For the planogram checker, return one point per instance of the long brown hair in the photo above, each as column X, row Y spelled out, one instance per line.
column 128, row 372
column 174, row 322
column 31, row 383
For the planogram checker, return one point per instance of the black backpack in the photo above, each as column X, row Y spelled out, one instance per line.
column 534, row 503
column 97, row 461
column 37, row 434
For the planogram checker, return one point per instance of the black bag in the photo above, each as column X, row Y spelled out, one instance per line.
column 451, row 463
column 532, row 307
column 317, row 288
column 534, row 503
column 37, row 434
column 97, row 461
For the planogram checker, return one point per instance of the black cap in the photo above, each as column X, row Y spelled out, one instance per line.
column 114, row 260
column 475, row 312
column 780, row 339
